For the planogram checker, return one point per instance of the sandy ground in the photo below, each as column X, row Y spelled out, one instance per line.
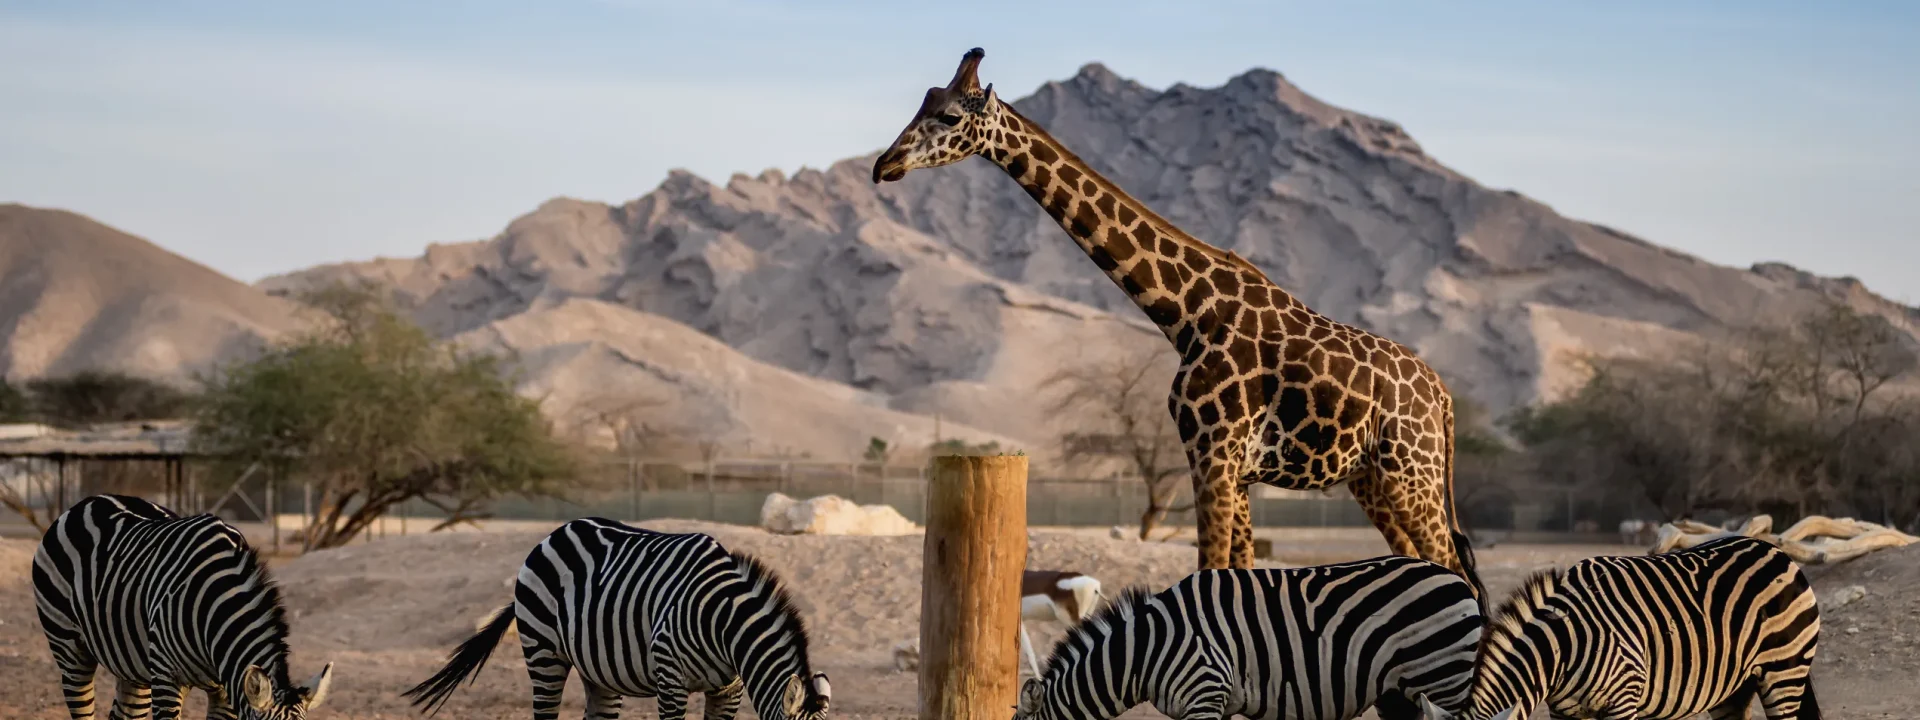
column 387, row 611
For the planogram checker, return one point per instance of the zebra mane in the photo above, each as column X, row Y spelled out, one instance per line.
column 269, row 590
column 1520, row 608
column 1131, row 601
column 767, row 582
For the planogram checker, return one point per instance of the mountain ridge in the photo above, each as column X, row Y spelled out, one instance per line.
column 928, row 290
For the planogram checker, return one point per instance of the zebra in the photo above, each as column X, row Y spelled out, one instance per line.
column 1709, row 628
column 1313, row 643
column 167, row 604
column 647, row 614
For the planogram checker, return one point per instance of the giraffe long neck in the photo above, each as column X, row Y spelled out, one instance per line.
column 1186, row 287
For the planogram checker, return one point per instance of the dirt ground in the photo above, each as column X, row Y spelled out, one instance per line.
column 386, row 612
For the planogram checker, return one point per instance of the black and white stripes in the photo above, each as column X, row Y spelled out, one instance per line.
column 165, row 604
column 1708, row 629
column 646, row 614
column 1315, row 643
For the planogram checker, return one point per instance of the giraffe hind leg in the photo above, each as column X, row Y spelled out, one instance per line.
column 1377, row 502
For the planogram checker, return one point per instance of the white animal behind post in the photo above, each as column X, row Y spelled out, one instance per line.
column 1062, row 596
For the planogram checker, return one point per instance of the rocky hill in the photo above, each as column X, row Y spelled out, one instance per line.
column 78, row 295
column 951, row 292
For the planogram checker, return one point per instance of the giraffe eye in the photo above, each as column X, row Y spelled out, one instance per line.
column 948, row 119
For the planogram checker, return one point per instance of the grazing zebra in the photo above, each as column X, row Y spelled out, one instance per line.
column 1653, row 636
column 167, row 604
column 1313, row 643
column 646, row 614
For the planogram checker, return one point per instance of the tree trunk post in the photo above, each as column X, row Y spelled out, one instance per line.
column 976, row 549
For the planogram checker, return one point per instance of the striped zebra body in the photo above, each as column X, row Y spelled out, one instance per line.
column 1314, row 643
column 165, row 604
column 639, row 613
column 1707, row 629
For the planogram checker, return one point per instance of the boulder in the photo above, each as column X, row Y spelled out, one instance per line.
column 831, row 515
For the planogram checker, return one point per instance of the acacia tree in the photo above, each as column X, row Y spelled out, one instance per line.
column 93, row 396
column 374, row 412
column 1117, row 406
column 1788, row 419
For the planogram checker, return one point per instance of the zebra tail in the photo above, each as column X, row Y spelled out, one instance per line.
column 465, row 661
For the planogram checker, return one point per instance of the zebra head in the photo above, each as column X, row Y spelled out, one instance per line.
column 1033, row 701
column 1430, row 711
column 263, row 701
column 806, row 699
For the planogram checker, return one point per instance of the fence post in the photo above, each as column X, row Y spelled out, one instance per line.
column 633, row 490
column 975, row 551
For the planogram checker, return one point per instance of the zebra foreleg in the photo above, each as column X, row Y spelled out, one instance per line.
column 672, row 698
column 219, row 706
column 602, row 704
column 131, row 702
column 166, row 701
column 724, row 704
column 1737, row 705
column 1786, row 690
column 77, row 685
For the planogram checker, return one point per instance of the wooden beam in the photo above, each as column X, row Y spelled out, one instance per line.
column 976, row 550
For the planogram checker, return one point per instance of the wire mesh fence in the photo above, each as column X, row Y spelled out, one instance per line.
column 734, row 490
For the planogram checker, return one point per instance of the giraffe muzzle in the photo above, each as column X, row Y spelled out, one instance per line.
column 889, row 168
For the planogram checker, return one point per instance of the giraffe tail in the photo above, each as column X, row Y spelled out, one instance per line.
column 1462, row 544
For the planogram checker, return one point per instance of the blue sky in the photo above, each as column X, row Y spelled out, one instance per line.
column 262, row 137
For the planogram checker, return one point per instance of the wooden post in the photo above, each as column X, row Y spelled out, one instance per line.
column 976, row 549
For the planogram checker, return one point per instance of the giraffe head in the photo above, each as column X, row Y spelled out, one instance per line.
column 953, row 122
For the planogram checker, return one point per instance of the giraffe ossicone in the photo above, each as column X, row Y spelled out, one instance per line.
column 1268, row 391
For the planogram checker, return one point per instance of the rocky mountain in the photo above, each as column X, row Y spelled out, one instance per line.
column 951, row 292
column 78, row 295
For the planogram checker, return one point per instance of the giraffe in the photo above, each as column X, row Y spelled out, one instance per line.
column 1268, row 390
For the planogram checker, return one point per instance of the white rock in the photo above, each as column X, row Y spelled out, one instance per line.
column 906, row 655
column 1845, row 596
column 831, row 515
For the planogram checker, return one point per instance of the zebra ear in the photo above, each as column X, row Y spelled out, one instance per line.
column 316, row 689
column 794, row 698
column 1430, row 711
column 823, row 689
column 256, row 688
column 1506, row 714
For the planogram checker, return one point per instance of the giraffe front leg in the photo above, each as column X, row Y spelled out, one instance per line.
column 724, row 704
column 1242, row 527
column 1213, row 510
